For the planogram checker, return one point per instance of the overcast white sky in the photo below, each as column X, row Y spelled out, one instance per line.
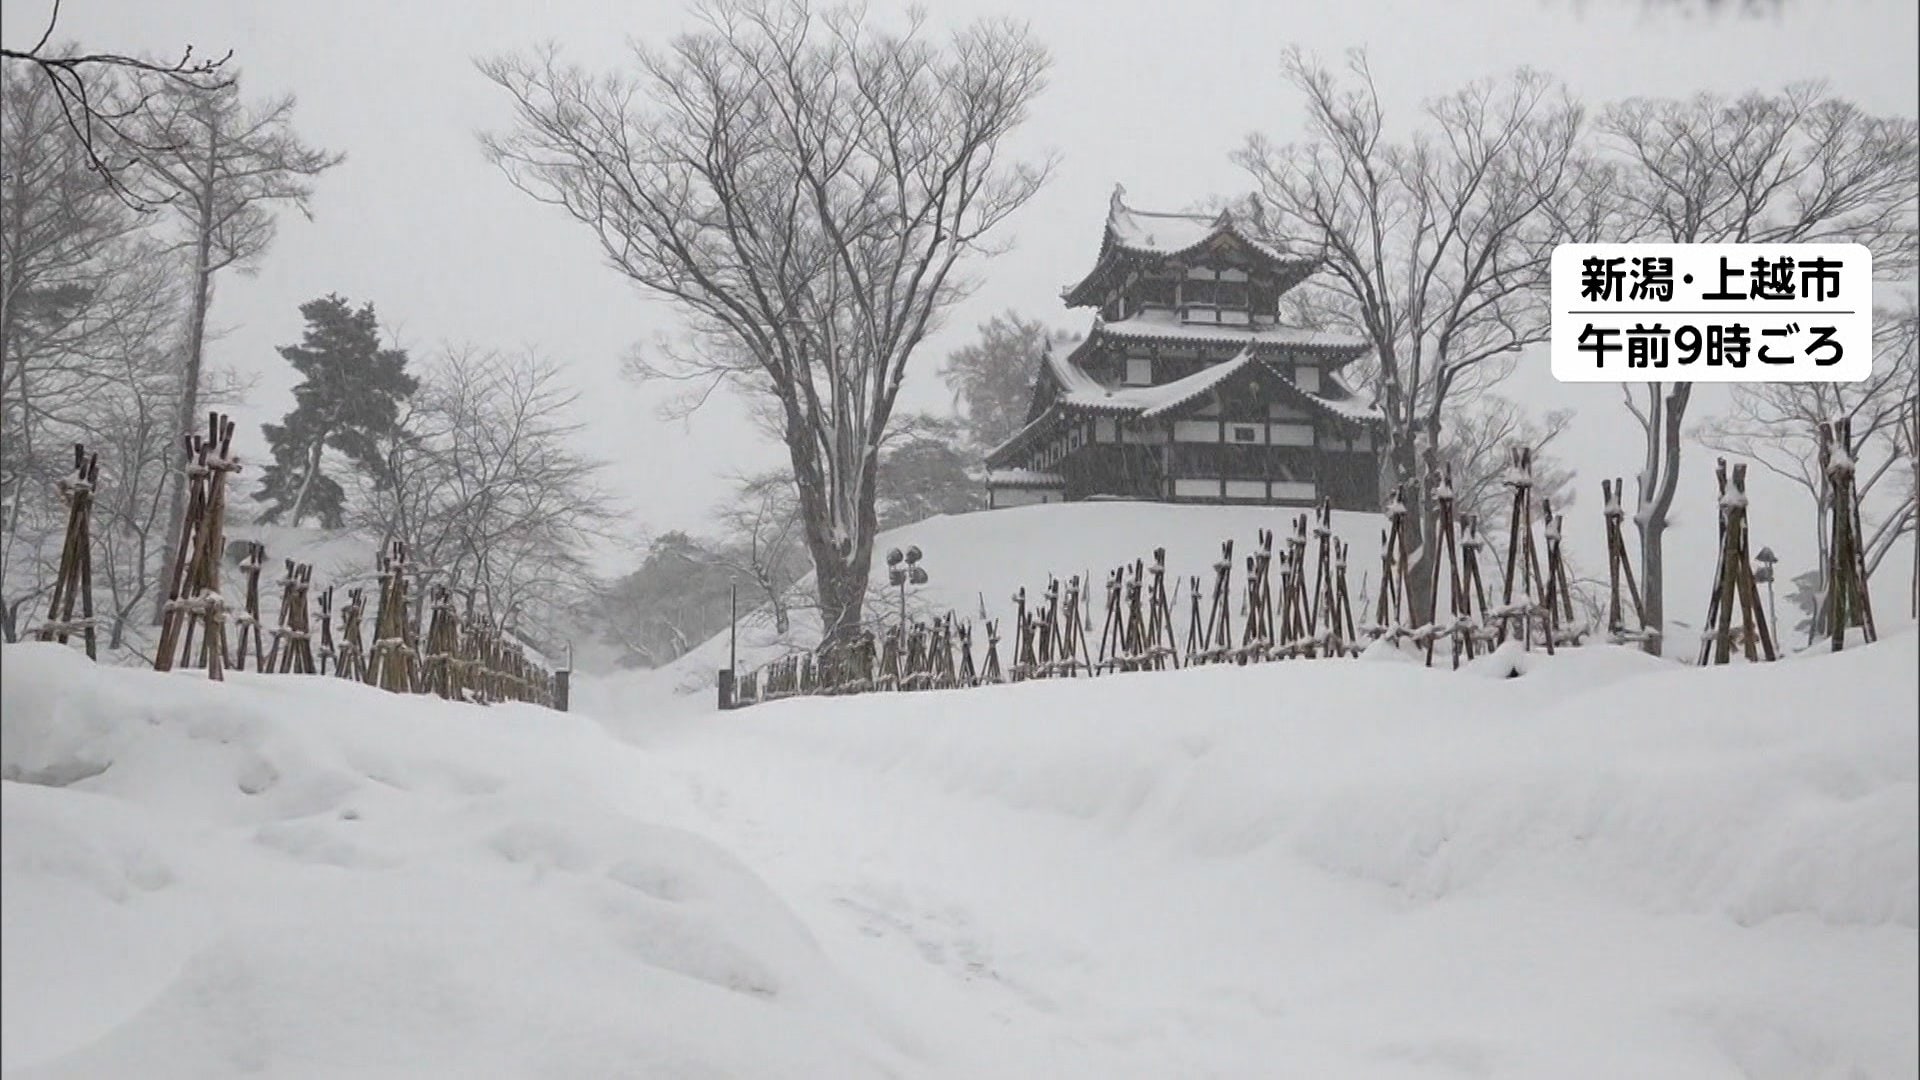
column 1147, row 93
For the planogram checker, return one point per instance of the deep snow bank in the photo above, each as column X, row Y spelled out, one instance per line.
column 1607, row 867
column 294, row 876
column 1754, row 792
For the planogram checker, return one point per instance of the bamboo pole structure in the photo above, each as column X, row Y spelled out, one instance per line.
column 1523, row 574
column 73, row 581
column 194, row 601
column 1849, row 601
column 1733, row 580
column 249, row 618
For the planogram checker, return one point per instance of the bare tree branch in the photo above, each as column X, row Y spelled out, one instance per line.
column 804, row 188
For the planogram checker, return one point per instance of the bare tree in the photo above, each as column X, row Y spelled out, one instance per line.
column 1796, row 167
column 803, row 188
column 86, row 301
column 99, row 96
column 484, row 486
column 1476, row 446
column 1434, row 249
column 133, row 433
column 761, row 539
column 1776, row 425
column 226, row 166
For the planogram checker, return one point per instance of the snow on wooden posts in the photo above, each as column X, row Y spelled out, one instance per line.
column 1301, row 636
column 888, row 676
column 1040, row 627
column 1331, row 637
column 968, row 676
column 1523, row 562
column 1133, row 631
column 1619, row 569
column 1113, row 630
column 1046, row 630
column 1343, row 608
column 325, row 656
column 194, row 601
column 914, row 668
column 1076, row 628
column 443, row 672
column 249, row 618
column 1849, row 602
column 1161, row 651
column 1733, row 582
column 952, row 672
column 180, row 574
column 292, row 651
column 1472, row 543
column 990, row 671
column 1393, row 603
column 353, row 651
column 1196, row 622
column 73, row 581
column 1464, row 626
column 1023, row 659
column 1217, row 640
column 1292, row 606
column 392, row 664
column 1559, row 590
column 940, row 667
column 1256, row 631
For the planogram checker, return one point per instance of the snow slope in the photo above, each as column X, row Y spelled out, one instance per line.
column 981, row 558
column 1607, row 867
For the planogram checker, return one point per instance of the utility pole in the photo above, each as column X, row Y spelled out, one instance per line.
column 726, row 680
column 1766, row 559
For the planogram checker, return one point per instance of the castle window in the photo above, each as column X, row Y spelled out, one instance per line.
column 1307, row 378
column 1246, row 433
column 1139, row 371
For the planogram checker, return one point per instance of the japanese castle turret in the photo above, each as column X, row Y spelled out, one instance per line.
column 1187, row 388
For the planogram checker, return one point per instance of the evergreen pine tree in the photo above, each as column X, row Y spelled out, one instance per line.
column 350, row 398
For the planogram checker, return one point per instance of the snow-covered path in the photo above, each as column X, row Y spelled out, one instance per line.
column 1163, row 876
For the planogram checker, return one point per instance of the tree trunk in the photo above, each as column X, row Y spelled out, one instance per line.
column 842, row 552
column 306, row 482
column 1653, row 578
column 843, row 593
column 186, row 419
column 1407, row 473
column 1658, row 481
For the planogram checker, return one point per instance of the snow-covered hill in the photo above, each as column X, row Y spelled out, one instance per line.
column 1607, row 867
column 979, row 559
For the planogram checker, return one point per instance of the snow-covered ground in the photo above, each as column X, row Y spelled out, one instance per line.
column 1607, row 867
